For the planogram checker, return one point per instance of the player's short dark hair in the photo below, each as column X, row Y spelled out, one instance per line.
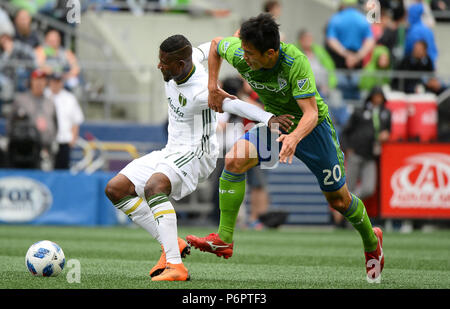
column 177, row 45
column 262, row 32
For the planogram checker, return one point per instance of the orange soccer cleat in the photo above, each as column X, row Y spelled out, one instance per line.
column 211, row 243
column 185, row 250
column 375, row 259
column 173, row 272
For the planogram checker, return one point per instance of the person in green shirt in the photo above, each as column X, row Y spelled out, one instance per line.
column 379, row 63
column 282, row 77
column 321, row 62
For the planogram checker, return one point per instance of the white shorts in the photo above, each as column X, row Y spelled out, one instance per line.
column 183, row 168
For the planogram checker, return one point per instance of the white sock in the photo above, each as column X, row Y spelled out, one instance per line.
column 140, row 213
column 165, row 216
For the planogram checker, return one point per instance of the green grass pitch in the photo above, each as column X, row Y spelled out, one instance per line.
column 294, row 258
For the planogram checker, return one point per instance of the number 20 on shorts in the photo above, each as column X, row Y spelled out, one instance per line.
column 331, row 175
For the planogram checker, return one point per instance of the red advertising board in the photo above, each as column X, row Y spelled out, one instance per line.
column 415, row 181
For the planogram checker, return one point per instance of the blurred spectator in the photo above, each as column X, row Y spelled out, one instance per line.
column 17, row 61
column 52, row 57
column 441, row 6
column 349, row 39
column 69, row 116
column 34, row 6
column 393, row 22
column 379, row 63
column 366, row 130
column 418, row 61
column 39, row 112
column 395, row 7
column 321, row 62
column 418, row 31
column 349, row 36
column 391, row 37
column 6, row 26
column 435, row 86
column 427, row 16
column 24, row 33
column 274, row 8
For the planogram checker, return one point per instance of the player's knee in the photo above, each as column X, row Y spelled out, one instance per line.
column 157, row 185
column 114, row 191
column 234, row 164
column 338, row 202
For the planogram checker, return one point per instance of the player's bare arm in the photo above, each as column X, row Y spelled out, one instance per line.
column 306, row 124
column 216, row 94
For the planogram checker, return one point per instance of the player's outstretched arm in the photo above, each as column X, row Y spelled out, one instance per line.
column 216, row 94
column 252, row 112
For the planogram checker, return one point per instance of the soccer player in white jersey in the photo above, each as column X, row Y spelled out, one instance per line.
column 142, row 189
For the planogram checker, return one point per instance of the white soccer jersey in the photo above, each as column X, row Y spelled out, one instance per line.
column 192, row 124
column 191, row 152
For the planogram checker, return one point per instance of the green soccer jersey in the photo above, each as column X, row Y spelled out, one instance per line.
column 280, row 87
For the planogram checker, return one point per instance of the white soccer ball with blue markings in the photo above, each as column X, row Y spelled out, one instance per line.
column 45, row 259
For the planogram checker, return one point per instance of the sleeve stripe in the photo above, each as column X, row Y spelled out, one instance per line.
column 218, row 45
column 306, row 95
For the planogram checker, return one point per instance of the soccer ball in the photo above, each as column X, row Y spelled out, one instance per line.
column 45, row 258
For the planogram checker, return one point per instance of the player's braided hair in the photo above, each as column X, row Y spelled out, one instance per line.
column 262, row 32
column 177, row 45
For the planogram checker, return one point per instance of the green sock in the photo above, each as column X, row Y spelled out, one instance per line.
column 356, row 214
column 231, row 195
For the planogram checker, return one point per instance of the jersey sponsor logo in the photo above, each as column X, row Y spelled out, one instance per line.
column 303, row 84
column 259, row 86
column 175, row 109
column 282, row 83
column 182, row 99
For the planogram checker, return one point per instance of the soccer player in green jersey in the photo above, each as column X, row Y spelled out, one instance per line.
column 281, row 75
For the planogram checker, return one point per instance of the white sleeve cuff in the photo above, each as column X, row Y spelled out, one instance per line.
column 246, row 110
